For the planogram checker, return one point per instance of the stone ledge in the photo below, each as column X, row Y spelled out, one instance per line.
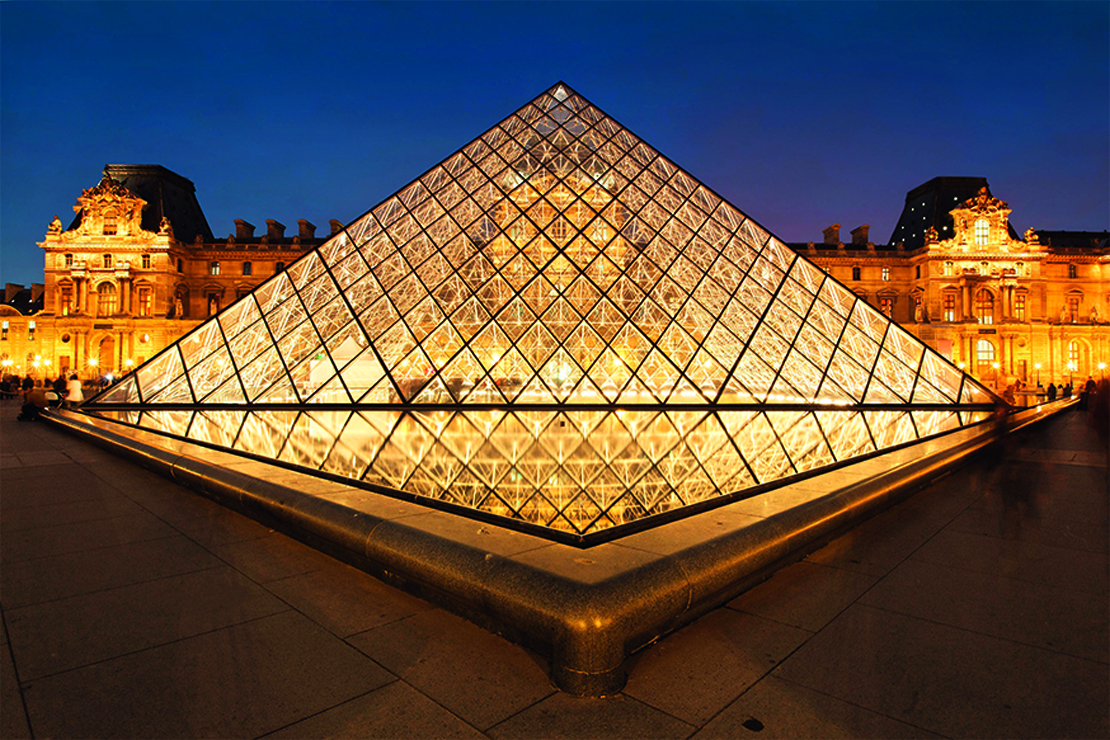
column 587, row 609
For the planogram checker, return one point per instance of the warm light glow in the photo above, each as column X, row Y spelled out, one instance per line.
column 129, row 362
column 93, row 362
column 554, row 262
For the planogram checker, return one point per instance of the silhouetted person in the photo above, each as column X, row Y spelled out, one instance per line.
column 1087, row 394
column 1099, row 414
column 1051, row 391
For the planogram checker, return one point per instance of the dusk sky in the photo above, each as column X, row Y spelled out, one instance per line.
column 800, row 114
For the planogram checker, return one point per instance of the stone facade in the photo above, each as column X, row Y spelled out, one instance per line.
column 1000, row 307
column 123, row 281
column 131, row 275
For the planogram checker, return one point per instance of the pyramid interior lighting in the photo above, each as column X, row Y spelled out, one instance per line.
column 559, row 326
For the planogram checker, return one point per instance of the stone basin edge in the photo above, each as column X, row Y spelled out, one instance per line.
column 585, row 610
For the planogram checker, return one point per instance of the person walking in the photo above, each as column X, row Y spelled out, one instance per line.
column 74, row 395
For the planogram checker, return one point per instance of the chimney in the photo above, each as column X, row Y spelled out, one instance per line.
column 243, row 230
column 10, row 290
column 307, row 229
column 37, row 289
column 859, row 234
column 336, row 227
column 274, row 230
column 832, row 234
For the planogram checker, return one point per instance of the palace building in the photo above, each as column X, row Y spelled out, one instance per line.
column 956, row 274
column 139, row 266
column 136, row 269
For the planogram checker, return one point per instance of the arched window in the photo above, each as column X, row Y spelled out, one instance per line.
column 106, row 299
column 982, row 231
column 110, row 225
column 984, row 357
column 949, row 268
column 984, row 306
column 1020, row 269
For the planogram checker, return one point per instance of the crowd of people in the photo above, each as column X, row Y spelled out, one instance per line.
column 40, row 394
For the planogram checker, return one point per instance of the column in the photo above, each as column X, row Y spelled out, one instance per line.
column 125, row 295
column 965, row 294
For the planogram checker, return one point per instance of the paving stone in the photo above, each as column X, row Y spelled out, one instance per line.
column 950, row 681
column 43, row 457
column 345, row 600
column 394, row 711
column 273, row 557
column 1092, row 536
column 242, row 681
column 774, row 708
column 68, row 633
column 56, row 484
column 696, row 672
column 1061, row 619
column 805, row 595
column 562, row 716
column 34, row 581
column 52, row 515
column 82, row 536
column 220, row 527
column 13, row 718
column 477, row 675
column 1025, row 561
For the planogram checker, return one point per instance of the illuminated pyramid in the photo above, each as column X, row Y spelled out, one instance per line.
column 556, row 325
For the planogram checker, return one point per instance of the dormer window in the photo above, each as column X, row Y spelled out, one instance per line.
column 982, row 231
column 110, row 225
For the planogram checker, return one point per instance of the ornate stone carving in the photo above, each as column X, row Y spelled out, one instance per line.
column 108, row 209
column 55, row 226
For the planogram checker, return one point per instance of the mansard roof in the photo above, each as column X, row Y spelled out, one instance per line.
column 930, row 205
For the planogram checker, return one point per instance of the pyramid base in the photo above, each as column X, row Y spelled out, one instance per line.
column 587, row 610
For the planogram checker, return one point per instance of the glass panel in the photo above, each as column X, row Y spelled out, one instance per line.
column 556, row 260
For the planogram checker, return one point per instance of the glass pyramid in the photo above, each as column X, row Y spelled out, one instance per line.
column 556, row 325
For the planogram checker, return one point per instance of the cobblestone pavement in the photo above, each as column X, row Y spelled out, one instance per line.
column 134, row 608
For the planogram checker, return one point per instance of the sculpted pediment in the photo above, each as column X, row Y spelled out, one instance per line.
column 108, row 209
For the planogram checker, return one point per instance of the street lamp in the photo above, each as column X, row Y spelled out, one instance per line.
column 1037, row 367
column 1102, row 370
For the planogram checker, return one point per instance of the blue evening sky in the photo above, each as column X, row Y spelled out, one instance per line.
column 801, row 114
